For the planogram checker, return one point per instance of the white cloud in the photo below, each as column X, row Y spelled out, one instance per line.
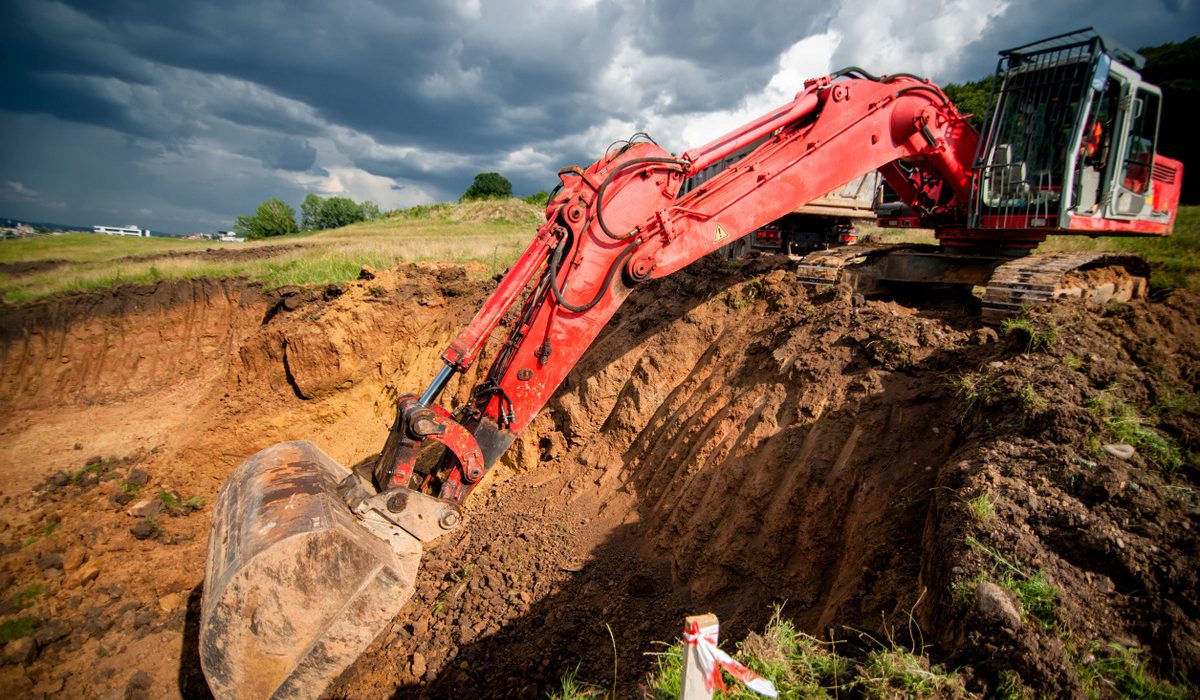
column 919, row 36
column 359, row 185
column 11, row 189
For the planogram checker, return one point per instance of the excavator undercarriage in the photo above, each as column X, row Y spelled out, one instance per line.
column 308, row 560
column 1009, row 284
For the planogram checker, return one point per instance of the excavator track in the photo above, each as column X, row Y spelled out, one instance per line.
column 826, row 268
column 1010, row 284
column 1099, row 277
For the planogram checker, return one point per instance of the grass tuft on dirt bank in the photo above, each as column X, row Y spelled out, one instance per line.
column 800, row 666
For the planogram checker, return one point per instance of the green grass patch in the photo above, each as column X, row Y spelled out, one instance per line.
column 169, row 500
column 892, row 673
column 77, row 476
column 1122, row 672
column 1176, row 401
column 802, row 666
column 1038, row 597
column 1034, row 335
column 1009, row 687
column 976, row 389
column 571, row 688
column 1031, row 401
column 1123, row 423
column 1173, row 259
column 17, row 627
column 27, row 595
column 981, row 507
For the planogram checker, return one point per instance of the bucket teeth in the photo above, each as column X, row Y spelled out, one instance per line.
column 295, row 587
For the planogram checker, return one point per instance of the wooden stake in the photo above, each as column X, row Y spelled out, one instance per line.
column 691, row 682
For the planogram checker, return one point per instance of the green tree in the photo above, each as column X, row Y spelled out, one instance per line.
column 318, row 213
column 273, row 218
column 488, row 186
column 1175, row 68
column 310, row 212
column 340, row 211
column 370, row 210
column 971, row 99
column 538, row 198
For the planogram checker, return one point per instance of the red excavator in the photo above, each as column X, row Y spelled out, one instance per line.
column 308, row 561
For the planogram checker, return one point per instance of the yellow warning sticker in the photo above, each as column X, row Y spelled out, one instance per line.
column 722, row 234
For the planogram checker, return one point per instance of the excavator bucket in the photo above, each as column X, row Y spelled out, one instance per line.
column 296, row 586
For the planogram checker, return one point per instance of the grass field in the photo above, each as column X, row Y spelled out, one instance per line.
column 489, row 234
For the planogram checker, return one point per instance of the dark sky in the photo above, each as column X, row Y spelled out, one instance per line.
column 179, row 116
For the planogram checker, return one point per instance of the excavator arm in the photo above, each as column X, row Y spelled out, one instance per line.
column 621, row 221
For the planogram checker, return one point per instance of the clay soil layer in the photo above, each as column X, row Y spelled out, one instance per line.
column 732, row 441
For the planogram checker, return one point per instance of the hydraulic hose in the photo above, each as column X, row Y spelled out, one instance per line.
column 680, row 166
column 556, row 260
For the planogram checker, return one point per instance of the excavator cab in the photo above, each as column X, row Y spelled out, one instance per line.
column 1069, row 145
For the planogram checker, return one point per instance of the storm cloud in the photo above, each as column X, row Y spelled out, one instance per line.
column 180, row 116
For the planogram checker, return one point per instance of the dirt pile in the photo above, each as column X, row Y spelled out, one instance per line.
column 732, row 440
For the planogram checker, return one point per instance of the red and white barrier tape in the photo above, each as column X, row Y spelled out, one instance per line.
column 712, row 660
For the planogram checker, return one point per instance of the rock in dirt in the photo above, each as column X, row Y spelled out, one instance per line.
column 138, row 477
column 138, row 686
column 73, row 558
column 89, row 480
column 418, row 665
column 997, row 605
column 1120, row 450
column 144, row 529
column 169, row 602
column 144, row 618
column 20, row 651
column 121, row 497
column 50, row 560
column 86, row 573
column 985, row 335
column 146, row 508
column 52, row 631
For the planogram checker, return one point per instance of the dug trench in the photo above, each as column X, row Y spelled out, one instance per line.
column 732, row 442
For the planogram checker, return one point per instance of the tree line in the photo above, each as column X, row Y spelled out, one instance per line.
column 275, row 218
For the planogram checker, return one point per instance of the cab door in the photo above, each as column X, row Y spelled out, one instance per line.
column 1131, row 182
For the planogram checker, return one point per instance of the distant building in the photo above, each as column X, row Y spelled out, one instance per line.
column 229, row 237
column 130, row 230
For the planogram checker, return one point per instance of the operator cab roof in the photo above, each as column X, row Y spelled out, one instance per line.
column 1077, row 38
